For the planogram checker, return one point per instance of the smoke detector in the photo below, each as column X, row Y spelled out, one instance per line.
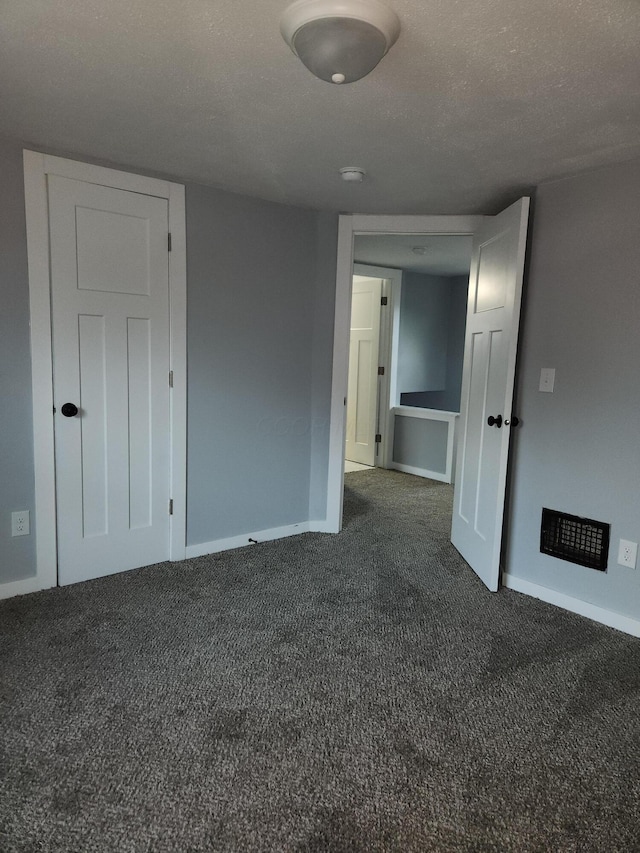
column 353, row 174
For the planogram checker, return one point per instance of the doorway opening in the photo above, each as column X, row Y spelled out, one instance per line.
column 491, row 338
column 412, row 392
column 368, row 367
column 385, row 244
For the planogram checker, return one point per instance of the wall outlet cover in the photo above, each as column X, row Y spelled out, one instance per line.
column 547, row 379
column 20, row 523
column 627, row 553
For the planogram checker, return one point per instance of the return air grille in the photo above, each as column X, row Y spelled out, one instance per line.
column 578, row 540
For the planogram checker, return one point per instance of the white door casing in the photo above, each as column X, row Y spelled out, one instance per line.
column 110, row 336
column 491, row 338
column 362, row 397
column 40, row 171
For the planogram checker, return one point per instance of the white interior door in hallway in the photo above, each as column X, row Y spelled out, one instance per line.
column 362, row 396
column 110, row 342
column 486, row 418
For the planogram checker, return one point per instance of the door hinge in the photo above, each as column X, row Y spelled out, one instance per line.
column 171, row 506
column 381, row 371
column 384, row 300
column 169, row 241
column 378, row 438
column 171, row 379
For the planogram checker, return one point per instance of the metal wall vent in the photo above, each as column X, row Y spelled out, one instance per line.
column 578, row 540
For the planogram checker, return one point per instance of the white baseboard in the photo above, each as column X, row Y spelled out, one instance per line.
column 322, row 526
column 420, row 472
column 218, row 545
column 574, row 605
column 23, row 587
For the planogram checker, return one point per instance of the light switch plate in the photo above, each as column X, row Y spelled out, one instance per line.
column 547, row 379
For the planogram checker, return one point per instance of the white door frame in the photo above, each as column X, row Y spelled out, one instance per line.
column 387, row 356
column 371, row 287
column 348, row 227
column 37, row 167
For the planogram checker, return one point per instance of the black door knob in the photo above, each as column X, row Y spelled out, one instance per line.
column 513, row 422
column 497, row 422
column 69, row 410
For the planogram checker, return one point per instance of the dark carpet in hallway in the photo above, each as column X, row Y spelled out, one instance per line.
column 359, row 692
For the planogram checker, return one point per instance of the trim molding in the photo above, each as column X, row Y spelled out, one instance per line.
column 574, row 605
column 23, row 587
column 178, row 357
column 320, row 526
column 35, row 584
column 204, row 548
column 420, row 472
column 425, row 414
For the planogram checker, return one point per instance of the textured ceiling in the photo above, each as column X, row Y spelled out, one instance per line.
column 442, row 255
column 477, row 101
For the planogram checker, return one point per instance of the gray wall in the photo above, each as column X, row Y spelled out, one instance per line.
column 458, row 292
column 422, row 342
column 578, row 449
column 252, row 285
column 420, row 443
column 260, row 286
column 17, row 554
column 434, row 324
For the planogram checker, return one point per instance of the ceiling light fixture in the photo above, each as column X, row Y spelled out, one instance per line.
column 339, row 41
column 354, row 174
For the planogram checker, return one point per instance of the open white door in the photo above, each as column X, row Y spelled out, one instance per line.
column 491, row 338
column 362, row 397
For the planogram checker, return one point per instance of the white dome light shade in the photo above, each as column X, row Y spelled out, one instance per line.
column 344, row 46
column 339, row 41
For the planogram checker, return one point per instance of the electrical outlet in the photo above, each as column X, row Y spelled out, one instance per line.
column 627, row 553
column 547, row 379
column 20, row 523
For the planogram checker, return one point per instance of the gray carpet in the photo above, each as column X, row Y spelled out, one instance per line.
column 359, row 692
